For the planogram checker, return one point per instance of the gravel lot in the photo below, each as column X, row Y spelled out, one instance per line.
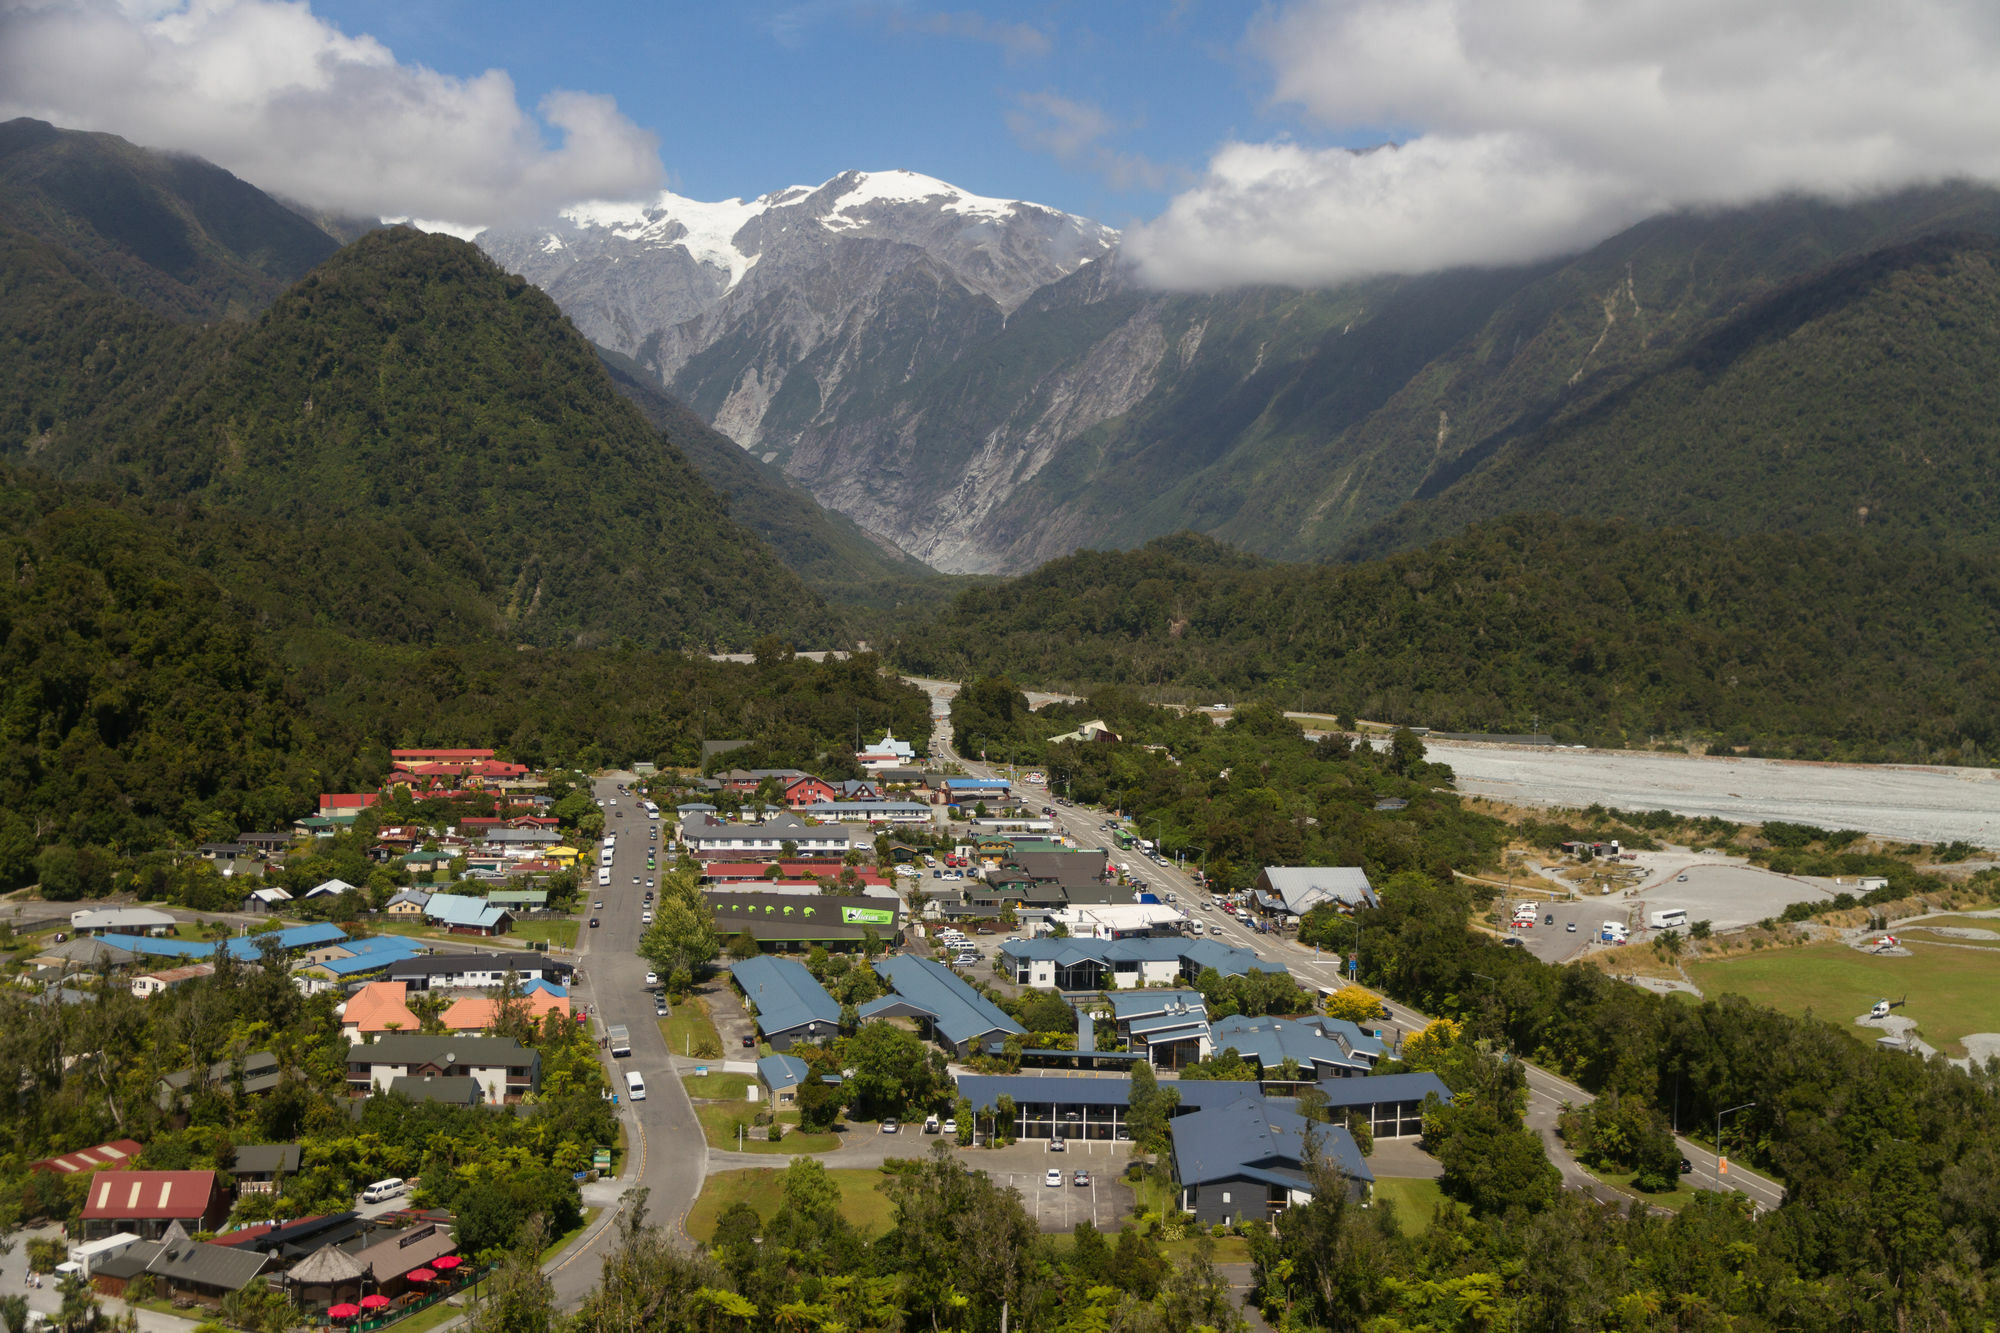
column 1917, row 804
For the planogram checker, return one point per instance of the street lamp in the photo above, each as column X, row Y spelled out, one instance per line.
column 1718, row 1138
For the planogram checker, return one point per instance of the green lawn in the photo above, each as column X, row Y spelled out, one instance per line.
column 1921, row 930
column 1951, row 991
column 562, row 934
column 762, row 1188
column 1225, row 1250
column 561, row 1242
column 718, row 1123
column 718, row 1087
column 689, row 1030
column 1416, row 1201
column 1681, row 1196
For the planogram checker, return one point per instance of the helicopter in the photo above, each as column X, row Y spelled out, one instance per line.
column 1882, row 1007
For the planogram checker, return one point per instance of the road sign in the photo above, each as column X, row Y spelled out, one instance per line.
column 1722, row 1166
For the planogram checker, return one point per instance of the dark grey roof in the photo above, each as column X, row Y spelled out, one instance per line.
column 417, row 1048
column 265, row 1159
column 454, row 1090
column 433, row 964
column 1383, row 1088
column 222, row 1267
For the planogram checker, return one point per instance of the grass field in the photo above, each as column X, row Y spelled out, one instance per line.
column 718, row 1124
column 562, row 934
column 763, row 1189
column 717, row 1087
column 1951, row 991
column 1921, row 930
column 689, row 1030
column 1416, row 1201
column 1679, row 1198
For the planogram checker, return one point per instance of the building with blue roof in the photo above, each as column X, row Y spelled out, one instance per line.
column 245, row 947
column 1075, row 963
column 790, row 1003
column 1048, row 1105
column 783, row 1074
column 1320, row 1049
column 954, row 1014
column 462, row 914
column 1169, row 1026
column 1244, row 1160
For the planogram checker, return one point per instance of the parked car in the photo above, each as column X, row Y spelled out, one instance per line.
column 1081, row 1179
column 750, row 1042
column 1053, row 1180
column 659, row 1006
column 1057, row 1145
column 1571, row 928
column 652, row 978
column 950, row 1125
column 1549, row 920
column 890, row 1127
column 597, row 906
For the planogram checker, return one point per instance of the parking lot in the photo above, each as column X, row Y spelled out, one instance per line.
column 1725, row 892
column 1024, row 1166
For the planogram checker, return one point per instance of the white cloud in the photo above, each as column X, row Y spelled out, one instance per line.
column 293, row 105
column 1531, row 128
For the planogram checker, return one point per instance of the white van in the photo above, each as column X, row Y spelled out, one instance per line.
column 604, row 877
column 384, row 1189
column 635, row 1086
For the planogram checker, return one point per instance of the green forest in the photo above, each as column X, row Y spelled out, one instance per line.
column 1855, row 647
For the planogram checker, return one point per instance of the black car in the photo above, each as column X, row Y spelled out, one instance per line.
column 593, row 923
column 1687, row 1167
column 1549, row 920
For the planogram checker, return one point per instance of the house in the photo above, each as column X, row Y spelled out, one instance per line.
column 464, row 915
column 265, row 844
column 1296, row 890
column 952, row 1012
column 809, row 790
column 253, row 1074
column 329, row 888
column 321, row 826
column 270, row 898
column 112, row 1156
column 1094, row 1108
column 520, row 900
column 222, row 851
column 95, row 955
column 474, row 1014
column 969, row 790
column 475, row 971
column 1245, row 1160
column 1089, row 733
column 505, row 1070
column 1170, row 1026
column 258, row 1166
column 712, row 839
column 794, row 923
column 789, row 1003
column 378, row 1007
column 122, row 921
column 335, row 804
column 152, row 983
column 457, row 760
column 407, row 904
column 344, row 964
column 146, row 1203
column 783, row 1075
column 423, row 863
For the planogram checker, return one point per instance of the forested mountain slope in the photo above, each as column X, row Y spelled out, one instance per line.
column 408, row 383
column 180, row 235
column 1863, row 395
column 1858, row 647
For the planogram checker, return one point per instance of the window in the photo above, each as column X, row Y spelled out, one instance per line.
column 1225, row 1196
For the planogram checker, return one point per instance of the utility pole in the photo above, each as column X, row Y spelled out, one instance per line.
column 1721, row 1162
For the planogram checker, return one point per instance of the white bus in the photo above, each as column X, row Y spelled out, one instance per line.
column 1671, row 919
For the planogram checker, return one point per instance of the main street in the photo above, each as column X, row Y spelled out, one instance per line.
column 1548, row 1093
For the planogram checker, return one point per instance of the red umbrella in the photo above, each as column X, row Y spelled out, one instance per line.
column 343, row 1311
column 446, row 1262
column 374, row 1302
column 419, row 1275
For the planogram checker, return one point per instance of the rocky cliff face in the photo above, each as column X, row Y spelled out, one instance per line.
column 980, row 382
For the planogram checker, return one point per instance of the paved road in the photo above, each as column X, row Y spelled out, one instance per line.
column 665, row 1150
column 1547, row 1092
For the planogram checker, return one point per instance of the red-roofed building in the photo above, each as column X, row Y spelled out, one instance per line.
column 148, row 1202
column 533, row 821
column 346, row 803
column 114, row 1156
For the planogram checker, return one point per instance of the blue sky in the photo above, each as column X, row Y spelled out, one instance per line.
column 998, row 99
column 1219, row 135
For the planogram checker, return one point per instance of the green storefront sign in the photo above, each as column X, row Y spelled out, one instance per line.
column 868, row 916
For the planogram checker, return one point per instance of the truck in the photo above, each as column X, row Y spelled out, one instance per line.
column 1613, row 932
column 618, row 1039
